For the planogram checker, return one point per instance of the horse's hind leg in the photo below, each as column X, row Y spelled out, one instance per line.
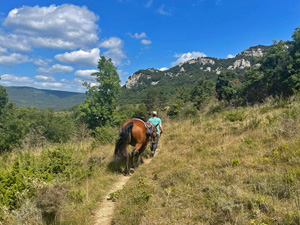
column 140, row 154
column 135, row 151
column 126, row 171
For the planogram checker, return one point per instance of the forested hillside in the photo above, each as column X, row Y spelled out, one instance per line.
column 32, row 97
column 186, row 74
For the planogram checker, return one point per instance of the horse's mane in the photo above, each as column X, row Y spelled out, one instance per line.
column 141, row 118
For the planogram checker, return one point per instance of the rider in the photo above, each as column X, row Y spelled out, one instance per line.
column 154, row 120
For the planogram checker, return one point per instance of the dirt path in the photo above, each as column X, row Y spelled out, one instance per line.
column 104, row 213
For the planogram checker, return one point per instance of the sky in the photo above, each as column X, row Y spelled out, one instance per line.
column 54, row 44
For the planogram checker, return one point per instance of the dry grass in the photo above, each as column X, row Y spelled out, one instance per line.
column 216, row 169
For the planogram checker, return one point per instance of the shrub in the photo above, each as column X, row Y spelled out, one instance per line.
column 105, row 135
column 49, row 199
column 236, row 116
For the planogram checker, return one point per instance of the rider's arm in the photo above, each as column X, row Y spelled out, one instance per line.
column 160, row 128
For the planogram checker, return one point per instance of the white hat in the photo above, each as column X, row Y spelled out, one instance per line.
column 154, row 113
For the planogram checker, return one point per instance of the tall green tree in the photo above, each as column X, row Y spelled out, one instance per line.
column 203, row 90
column 101, row 99
column 227, row 86
column 3, row 98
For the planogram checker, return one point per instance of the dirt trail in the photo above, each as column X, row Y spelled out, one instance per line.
column 104, row 213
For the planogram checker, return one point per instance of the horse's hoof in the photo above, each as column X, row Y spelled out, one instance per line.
column 126, row 174
column 152, row 154
column 131, row 170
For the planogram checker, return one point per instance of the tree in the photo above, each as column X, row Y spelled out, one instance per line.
column 3, row 98
column 203, row 90
column 101, row 99
column 227, row 86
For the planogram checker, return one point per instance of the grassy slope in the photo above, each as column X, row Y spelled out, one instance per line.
column 86, row 191
column 211, row 170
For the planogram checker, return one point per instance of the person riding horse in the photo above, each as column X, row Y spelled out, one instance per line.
column 155, row 121
column 134, row 132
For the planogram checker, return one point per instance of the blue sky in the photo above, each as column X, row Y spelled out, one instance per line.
column 56, row 44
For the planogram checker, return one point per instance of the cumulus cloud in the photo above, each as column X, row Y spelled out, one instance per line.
column 187, row 56
column 3, row 50
column 66, row 26
column 229, row 56
column 146, row 42
column 15, row 42
column 163, row 69
column 57, row 68
column 85, row 74
column 44, row 78
column 13, row 80
column 51, row 85
column 13, row 59
column 41, row 62
column 113, row 42
column 80, row 57
column 137, row 35
column 115, row 51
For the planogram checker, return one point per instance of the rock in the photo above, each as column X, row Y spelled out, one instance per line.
column 132, row 80
column 240, row 63
column 257, row 52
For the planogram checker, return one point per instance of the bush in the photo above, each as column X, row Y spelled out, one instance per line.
column 49, row 200
column 236, row 116
column 105, row 135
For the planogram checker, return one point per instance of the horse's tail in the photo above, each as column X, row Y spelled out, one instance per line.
column 123, row 141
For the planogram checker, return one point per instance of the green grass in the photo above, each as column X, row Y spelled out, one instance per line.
column 220, row 171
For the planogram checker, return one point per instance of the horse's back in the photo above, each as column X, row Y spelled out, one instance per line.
column 138, row 129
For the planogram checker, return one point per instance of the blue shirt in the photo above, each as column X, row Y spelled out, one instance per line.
column 154, row 121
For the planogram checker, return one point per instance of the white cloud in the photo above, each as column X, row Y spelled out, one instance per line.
column 57, row 68
column 149, row 3
column 229, row 56
column 13, row 59
column 64, row 26
column 11, row 77
column 13, row 80
column 3, row 50
column 80, row 57
column 50, row 85
column 146, row 42
column 163, row 69
column 41, row 62
column 115, row 51
column 113, row 42
column 137, row 35
column 187, row 56
column 162, row 11
column 44, row 78
column 85, row 74
column 14, row 42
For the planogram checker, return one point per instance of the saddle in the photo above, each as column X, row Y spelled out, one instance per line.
column 150, row 128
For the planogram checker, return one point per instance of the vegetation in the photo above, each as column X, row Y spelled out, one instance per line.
column 231, row 154
column 44, row 99
column 234, row 167
column 101, row 99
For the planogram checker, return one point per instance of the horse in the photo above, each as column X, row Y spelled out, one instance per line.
column 133, row 132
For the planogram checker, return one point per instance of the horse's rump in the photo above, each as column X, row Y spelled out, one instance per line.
column 124, row 139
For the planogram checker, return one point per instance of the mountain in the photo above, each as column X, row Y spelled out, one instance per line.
column 40, row 98
column 167, row 82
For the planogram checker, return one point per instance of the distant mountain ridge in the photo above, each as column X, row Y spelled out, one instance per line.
column 187, row 73
column 139, row 83
column 41, row 98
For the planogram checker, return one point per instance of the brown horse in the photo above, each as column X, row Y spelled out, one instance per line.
column 133, row 132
